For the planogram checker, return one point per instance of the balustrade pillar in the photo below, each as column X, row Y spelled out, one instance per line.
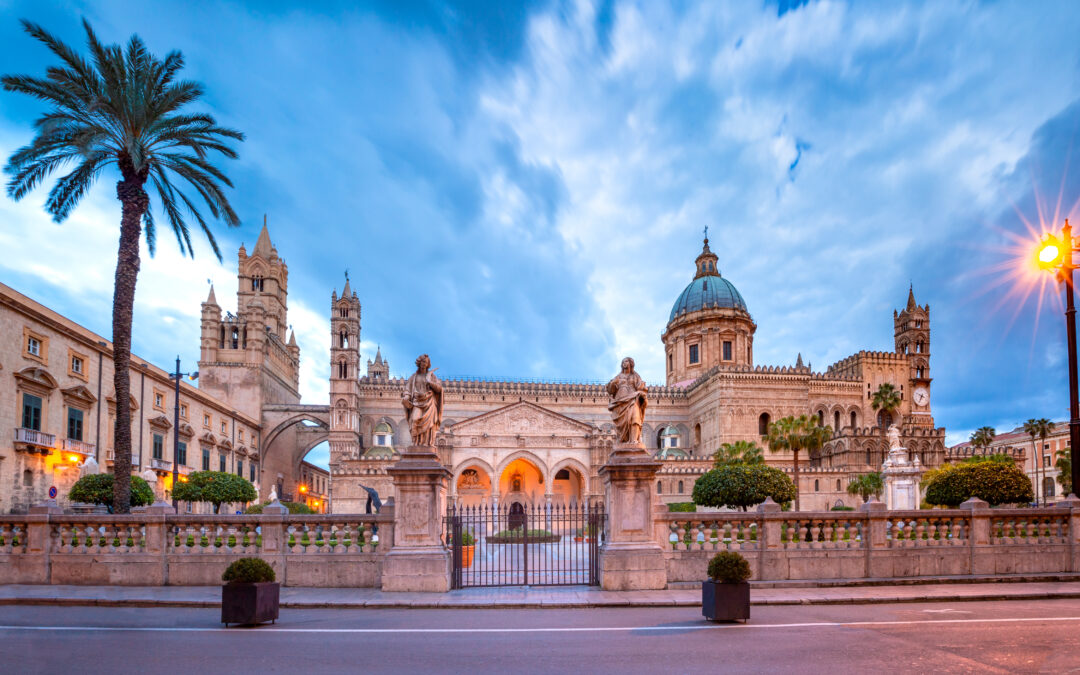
column 1073, row 504
column 982, row 561
column 630, row 558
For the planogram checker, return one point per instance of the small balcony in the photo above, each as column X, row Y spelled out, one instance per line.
column 160, row 464
column 79, row 447
column 33, row 440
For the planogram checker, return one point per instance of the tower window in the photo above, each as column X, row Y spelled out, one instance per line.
column 680, row 487
column 918, row 347
column 659, row 487
column 344, row 312
column 817, row 485
column 257, row 283
column 344, row 339
column 763, row 424
column 853, row 419
column 727, row 350
column 919, row 373
column 821, row 418
column 234, row 340
column 694, row 354
column 343, row 370
column 836, row 420
column 670, row 363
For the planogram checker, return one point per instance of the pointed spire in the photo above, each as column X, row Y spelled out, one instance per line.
column 292, row 338
column 911, row 298
column 378, row 354
column 211, row 299
column 798, row 362
column 263, row 246
column 345, row 291
column 706, row 260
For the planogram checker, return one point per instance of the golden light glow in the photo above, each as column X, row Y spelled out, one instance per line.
column 303, row 488
column 183, row 479
column 1049, row 252
column 73, row 458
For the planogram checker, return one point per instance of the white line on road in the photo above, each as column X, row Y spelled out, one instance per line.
column 564, row 629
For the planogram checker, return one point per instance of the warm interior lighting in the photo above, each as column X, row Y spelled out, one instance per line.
column 73, row 458
column 183, row 479
column 303, row 488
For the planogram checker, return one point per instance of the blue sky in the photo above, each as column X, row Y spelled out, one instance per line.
column 520, row 190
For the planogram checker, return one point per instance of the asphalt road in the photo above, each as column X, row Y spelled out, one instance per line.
column 1012, row 637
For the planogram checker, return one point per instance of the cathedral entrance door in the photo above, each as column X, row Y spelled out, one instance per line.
column 516, row 518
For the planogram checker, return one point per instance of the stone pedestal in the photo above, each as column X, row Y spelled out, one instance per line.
column 901, row 476
column 630, row 558
column 418, row 559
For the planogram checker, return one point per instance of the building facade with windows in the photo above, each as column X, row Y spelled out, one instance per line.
column 1038, row 457
column 535, row 443
column 57, row 411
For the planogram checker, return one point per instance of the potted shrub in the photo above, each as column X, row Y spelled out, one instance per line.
column 468, row 548
column 579, row 534
column 250, row 594
column 725, row 596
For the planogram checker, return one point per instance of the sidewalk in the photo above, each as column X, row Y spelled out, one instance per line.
column 549, row 597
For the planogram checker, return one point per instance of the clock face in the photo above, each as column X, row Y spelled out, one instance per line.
column 922, row 397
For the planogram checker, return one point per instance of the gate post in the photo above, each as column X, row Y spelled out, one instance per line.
column 418, row 560
column 630, row 558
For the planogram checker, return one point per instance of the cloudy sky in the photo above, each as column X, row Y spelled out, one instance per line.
column 521, row 190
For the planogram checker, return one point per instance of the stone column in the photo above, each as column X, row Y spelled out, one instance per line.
column 418, row 560
column 630, row 558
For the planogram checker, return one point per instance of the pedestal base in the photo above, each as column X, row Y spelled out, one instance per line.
column 632, row 567
column 422, row 569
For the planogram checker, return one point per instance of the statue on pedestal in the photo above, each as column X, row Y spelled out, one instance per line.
column 423, row 403
column 629, row 398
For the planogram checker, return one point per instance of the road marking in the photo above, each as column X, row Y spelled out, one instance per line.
column 564, row 629
column 947, row 611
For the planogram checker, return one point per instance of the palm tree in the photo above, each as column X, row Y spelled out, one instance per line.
column 795, row 434
column 887, row 400
column 123, row 110
column 1064, row 465
column 1038, row 428
column 867, row 484
column 983, row 437
column 739, row 452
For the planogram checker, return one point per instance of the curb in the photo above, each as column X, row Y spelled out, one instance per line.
column 379, row 604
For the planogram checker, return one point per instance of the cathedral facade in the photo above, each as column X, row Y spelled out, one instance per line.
column 536, row 443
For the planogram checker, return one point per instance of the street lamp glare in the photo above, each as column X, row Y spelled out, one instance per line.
column 1049, row 253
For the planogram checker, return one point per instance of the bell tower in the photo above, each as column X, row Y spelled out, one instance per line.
column 911, row 328
column 344, row 374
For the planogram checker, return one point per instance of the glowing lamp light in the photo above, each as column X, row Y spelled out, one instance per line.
column 73, row 458
column 183, row 479
column 303, row 488
column 1049, row 253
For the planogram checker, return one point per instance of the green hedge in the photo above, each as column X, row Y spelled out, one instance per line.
column 295, row 508
column 97, row 488
column 682, row 507
column 742, row 485
column 992, row 481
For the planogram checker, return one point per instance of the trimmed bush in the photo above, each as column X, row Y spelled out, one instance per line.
column 97, row 488
column 992, row 481
column 742, row 485
column 248, row 571
column 682, row 507
column 215, row 487
column 295, row 508
column 728, row 567
column 842, row 508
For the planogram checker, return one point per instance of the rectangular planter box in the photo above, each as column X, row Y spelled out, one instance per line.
column 725, row 602
column 250, row 603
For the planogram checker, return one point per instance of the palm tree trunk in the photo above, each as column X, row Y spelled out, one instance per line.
column 796, row 453
column 135, row 201
column 1038, row 483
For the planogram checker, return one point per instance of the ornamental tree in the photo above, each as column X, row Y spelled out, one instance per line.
column 742, row 485
column 97, row 488
column 215, row 487
column 993, row 482
column 739, row 452
column 867, row 484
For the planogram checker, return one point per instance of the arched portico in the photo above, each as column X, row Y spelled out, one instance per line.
column 521, row 480
column 575, row 488
column 290, row 432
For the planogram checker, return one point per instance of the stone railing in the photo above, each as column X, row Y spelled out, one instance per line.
column 875, row 543
column 161, row 548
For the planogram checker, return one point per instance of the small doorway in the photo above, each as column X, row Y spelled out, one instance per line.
column 516, row 518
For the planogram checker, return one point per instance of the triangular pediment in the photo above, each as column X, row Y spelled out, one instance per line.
column 522, row 418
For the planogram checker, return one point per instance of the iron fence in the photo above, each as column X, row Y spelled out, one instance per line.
column 518, row 545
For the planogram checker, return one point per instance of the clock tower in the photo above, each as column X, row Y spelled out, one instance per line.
column 912, row 336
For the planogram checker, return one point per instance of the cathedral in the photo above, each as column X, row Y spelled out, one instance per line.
column 524, row 444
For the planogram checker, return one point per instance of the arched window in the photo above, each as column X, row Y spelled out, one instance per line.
column 817, row 485
column 919, row 347
column 234, row 340
column 884, row 419
column 670, row 363
column 836, row 420
column 680, row 487
column 821, row 418
column 838, row 485
column 344, row 340
column 343, row 369
column 763, row 424
column 697, row 435
column 383, row 435
column 853, row 420
column 659, row 488
column 868, row 456
column 28, row 478
column 1048, row 487
column 563, row 474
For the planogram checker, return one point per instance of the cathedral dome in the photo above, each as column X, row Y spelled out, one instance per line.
column 705, row 292
column 708, row 289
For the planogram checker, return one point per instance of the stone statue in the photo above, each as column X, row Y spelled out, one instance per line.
column 89, row 467
column 423, row 403
column 893, row 434
column 273, row 494
column 628, row 401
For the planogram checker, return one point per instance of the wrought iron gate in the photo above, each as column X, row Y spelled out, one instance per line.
column 516, row 545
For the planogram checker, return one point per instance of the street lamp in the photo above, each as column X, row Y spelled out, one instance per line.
column 176, row 425
column 1056, row 254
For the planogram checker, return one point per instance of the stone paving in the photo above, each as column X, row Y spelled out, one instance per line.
column 566, row 596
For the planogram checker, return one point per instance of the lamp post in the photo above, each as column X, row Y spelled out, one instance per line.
column 1055, row 254
column 176, row 425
